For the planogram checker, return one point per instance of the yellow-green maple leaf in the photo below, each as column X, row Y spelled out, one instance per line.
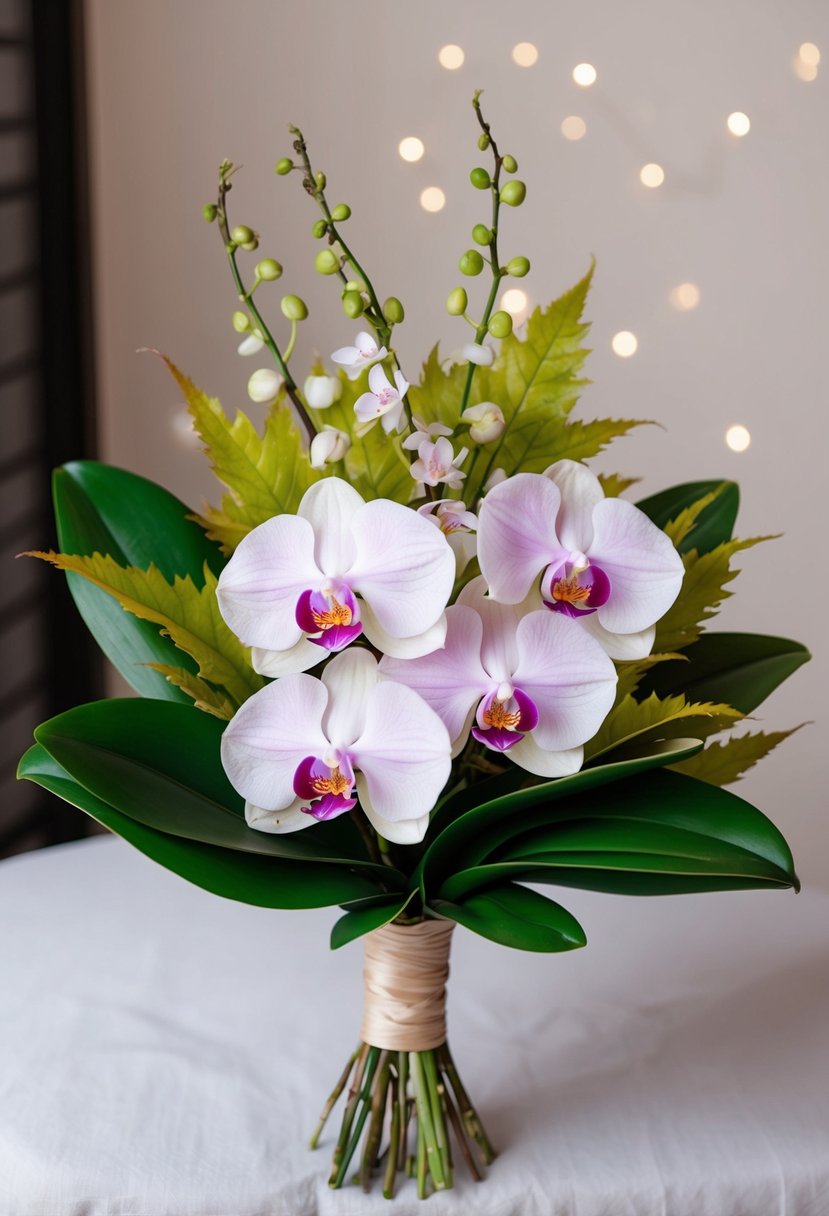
column 205, row 696
column 684, row 523
column 614, row 484
column 722, row 763
column 631, row 720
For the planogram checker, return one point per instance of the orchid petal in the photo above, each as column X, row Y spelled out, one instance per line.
column 403, row 753
column 259, row 587
column 275, row 663
column 403, row 568
column 644, row 568
column 567, row 674
column 516, row 534
column 350, row 679
column 399, row 831
column 346, row 354
column 619, row 646
column 499, row 653
column 267, row 738
column 580, row 490
column 378, row 381
column 535, row 759
column 366, row 345
column 403, row 648
column 291, row 819
column 330, row 506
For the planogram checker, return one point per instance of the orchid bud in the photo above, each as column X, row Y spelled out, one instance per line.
column 319, row 229
column 510, row 164
column 283, row 166
column 495, row 478
column 483, row 141
column 242, row 235
column 456, row 302
column 471, row 263
column 478, row 353
column 294, row 308
column 329, row 446
column 210, row 211
column 341, row 212
column 264, row 384
column 500, row 324
column 513, row 193
column 268, row 269
column 327, row 262
column 482, row 235
column 393, row 310
column 480, row 179
column 322, row 391
column 251, row 246
column 321, row 180
column 241, row 322
column 353, row 304
column 518, row 267
column 486, row 422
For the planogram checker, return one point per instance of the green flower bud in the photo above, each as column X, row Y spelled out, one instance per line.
column 341, row 212
column 500, row 324
column 456, row 302
column 242, row 235
column 353, row 304
column 268, row 269
column 294, row 308
column 209, row 211
column 483, row 141
column 510, row 164
column 284, row 166
column 393, row 310
column 518, row 267
column 321, row 180
column 355, row 285
column 480, row 179
column 327, row 261
column 471, row 263
column 319, row 229
column 513, row 193
column 241, row 322
column 482, row 235
column 251, row 246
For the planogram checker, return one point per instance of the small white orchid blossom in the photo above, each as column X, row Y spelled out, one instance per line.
column 486, row 421
column 264, row 385
column 251, row 344
column 290, row 590
column 602, row 561
column 458, row 526
column 384, row 400
column 302, row 750
column 480, row 353
column 364, row 352
column 531, row 684
column 321, row 392
column 328, row 446
column 437, row 463
column 423, row 430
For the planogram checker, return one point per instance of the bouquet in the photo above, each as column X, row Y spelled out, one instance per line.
column 417, row 658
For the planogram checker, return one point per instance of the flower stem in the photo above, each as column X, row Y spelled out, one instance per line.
column 333, row 1096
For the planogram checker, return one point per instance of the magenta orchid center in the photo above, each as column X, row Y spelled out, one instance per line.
column 327, row 784
column 575, row 586
column 503, row 717
column 330, row 617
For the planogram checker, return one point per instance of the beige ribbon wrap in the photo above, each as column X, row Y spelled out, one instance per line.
column 405, row 972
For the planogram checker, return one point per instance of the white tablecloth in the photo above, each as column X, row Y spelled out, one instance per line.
column 165, row 1053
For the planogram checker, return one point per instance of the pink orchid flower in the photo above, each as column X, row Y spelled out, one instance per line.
column 437, row 463
column 303, row 750
column 458, row 526
column 383, row 401
column 291, row 589
column 601, row 560
column 363, row 353
column 529, row 684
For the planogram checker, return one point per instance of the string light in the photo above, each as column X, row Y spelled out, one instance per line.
column 515, row 302
column 652, row 175
column 809, row 54
column 451, row 57
column 738, row 438
column 584, row 74
column 411, row 148
column 624, row 344
column 573, row 127
column 432, row 199
column 738, row 123
column 525, row 54
column 684, row 296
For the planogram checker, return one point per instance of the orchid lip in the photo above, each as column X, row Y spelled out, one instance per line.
column 503, row 721
column 575, row 587
column 331, row 617
column 327, row 786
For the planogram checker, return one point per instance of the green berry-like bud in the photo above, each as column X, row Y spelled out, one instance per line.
column 482, row 235
column 319, row 229
column 321, row 180
column 393, row 310
column 353, row 304
column 480, row 178
column 241, row 322
column 483, row 141
column 513, row 193
column 355, row 285
column 341, row 212
column 251, row 246
column 510, row 164
column 500, row 324
column 210, row 211
column 456, row 302
column 518, row 267
column 284, row 166
column 471, row 262
column 327, row 261
column 294, row 308
column 268, row 269
column 242, row 235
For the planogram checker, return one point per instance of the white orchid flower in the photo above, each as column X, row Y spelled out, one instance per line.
column 322, row 391
column 328, row 446
column 424, row 430
column 303, row 750
column 363, row 353
column 486, row 421
column 252, row 343
column 264, row 385
column 384, row 400
column 290, row 590
column 528, row 684
column 437, row 463
column 458, row 526
column 602, row 561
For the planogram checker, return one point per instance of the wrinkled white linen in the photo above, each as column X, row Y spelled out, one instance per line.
column 166, row 1053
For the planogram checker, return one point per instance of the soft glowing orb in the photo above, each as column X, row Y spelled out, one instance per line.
column 451, row 57
column 652, row 175
column 411, row 148
column 624, row 344
column 805, row 71
column 515, row 302
column 809, row 54
column 684, row 296
column 738, row 123
column 432, row 199
column 573, row 127
column 525, row 54
column 584, row 74
column 738, row 438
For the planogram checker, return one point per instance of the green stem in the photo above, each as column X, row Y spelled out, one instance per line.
column 470, row 1116
column 434, row 1087
column 333, row 1096
column 395, row 1139
column 376, row 1058
column 425, row 1120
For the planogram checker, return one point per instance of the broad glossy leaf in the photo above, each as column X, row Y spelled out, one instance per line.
column 739, row 668
column 715, row 523
column 374, row 913
column 514, row 916
column 267, row 882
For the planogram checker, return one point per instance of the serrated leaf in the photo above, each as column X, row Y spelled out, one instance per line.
column 631, row 673
column 632, row 721
column 683, row 524
column 722, row 763
column 703, row 590
column 205, row 697
column 190, row 616
column 715, row 523
column 378, row 467
column 437, row 398
column 614, row 484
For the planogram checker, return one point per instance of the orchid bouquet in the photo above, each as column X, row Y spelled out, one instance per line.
column 419, row 657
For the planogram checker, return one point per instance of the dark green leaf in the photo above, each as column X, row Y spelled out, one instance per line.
column 372, row 914
column 514, row 916
column 715, row 524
